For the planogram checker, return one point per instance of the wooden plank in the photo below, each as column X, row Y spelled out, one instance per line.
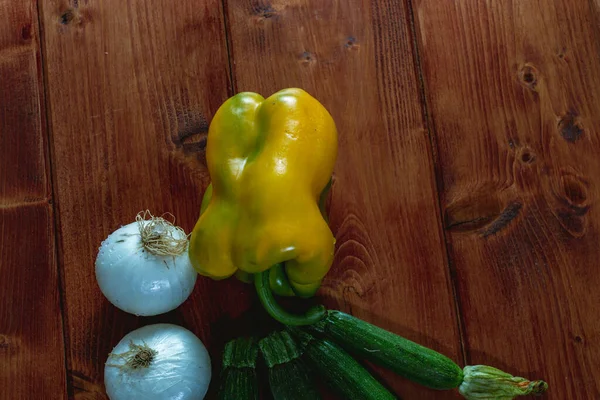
column 31, row 338
column 513, row 93
column 23, row 175
column 32, row 364
column 390, row 266
column 132, row 87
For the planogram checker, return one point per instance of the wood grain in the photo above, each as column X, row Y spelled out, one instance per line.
column 31, row 338
column 390, row 266
column 132, row 87
column 32, row 361
column 512, row 89
column 23, row 176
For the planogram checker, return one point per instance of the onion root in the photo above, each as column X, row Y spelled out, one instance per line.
column 157, row 235
column 138, row 356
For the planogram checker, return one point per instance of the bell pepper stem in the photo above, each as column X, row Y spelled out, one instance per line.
column 278, row 281
column 265, row 295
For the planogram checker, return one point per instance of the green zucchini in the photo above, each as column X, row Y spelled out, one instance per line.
column 339, row 370
column 239, row 379
column 402, row 356
column 289, row 378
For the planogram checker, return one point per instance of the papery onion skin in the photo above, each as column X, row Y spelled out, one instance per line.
column 181, row 368
column 139, row 282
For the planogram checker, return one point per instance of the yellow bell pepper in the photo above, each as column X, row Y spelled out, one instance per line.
column 269, row 161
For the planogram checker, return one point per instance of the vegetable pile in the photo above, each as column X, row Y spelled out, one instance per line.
column 143, row 268
column 328, row 349
column 262, row 220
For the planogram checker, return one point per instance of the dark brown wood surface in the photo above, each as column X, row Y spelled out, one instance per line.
column 31, row 334
column 515, row 110
column 464, row 199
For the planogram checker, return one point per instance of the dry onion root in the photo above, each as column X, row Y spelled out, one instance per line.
column 159, row 236
column 138, row 356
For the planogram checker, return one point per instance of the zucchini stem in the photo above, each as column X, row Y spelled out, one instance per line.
column 484, row 382
column 265, row 295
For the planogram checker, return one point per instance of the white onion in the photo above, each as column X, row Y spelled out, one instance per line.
column 171, row 363
column 137, row 280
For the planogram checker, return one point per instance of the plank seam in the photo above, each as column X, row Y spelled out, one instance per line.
column 47, row 127
column 232, row 89
column 430, row 129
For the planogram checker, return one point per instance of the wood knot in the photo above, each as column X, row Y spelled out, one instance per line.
column 307, row 58
column 472, row 213
column 191, row 132
column 569, row 127
column 528, row 76
column 573, row 196
column 75, row 17
column 264, row 11
column 572, row 193
column 562, row 54
column 575, row 191
column 8, row 344
column 575, row 225
column 67, row 17
column 480, row 212
column 527, row 156
column 509, row 213
column 351, row 43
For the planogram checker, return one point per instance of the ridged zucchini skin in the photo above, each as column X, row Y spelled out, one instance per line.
column 289, row 377
column 400, row 355
column 239, row 379
column 238, row 383
column 342, row 373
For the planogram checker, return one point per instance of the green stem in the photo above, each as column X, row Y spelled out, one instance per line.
column 313, row 315
column 484, row 382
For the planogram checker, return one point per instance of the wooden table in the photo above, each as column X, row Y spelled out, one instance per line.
column 465, row 202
